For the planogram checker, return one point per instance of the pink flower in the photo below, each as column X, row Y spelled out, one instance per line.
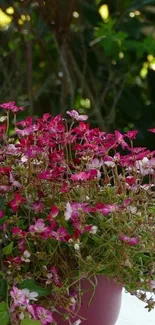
column 22, row 246
column 10, row 106
column 81, row 129
column 37, row 206
column 151, row 130
column 109, row 161
column 30, row 309
column 38, row 227
column 53, row 213
column 16, row 202
column 83, row 176
column 131, row 134
column 130, row 180
column 52, row 174
column 120, row 139
column 18, row 296
column 60, row 234
column 27, row 131
column 19, row 232
column 95, row 163
column 2, row 129
column 144, row 167
column 5, row 170
column 127, row 202
column 129, row 240
column 14, row 260
column 44, row 315
column 106, row 208
column 75, row 116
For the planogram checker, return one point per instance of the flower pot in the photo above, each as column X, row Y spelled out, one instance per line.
column 105, row 304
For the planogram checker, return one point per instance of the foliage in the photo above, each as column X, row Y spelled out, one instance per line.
column 4, row 314
column 79, row 202
column 57, row 56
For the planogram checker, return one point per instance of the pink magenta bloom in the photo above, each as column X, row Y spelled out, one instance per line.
column 75, row 116
column 18, row 296
column 132, row 134
column 38, row 227
column 10, row 106
column 37, row 207
column 73, row 210
column 84, row 176
column 120, row 139
column 151, row 130
column 53, row 213
column 14, row 260
column 106, row 208
column 19, row 232
column 44, row 315
column 16, row 202
column 60, row 234
column 129, row 240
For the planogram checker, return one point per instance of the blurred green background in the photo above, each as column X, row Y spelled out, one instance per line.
column 94, row 56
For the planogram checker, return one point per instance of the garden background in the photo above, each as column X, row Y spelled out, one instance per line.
column 94, row 56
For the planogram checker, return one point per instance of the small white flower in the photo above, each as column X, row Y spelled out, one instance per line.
column 132, row 209
column 98, row 174
column 30, row 295
column 145, row 161
column 95, row 163
column 94, row 230
column 72, row 301
column 78, row 322
column 26, row 256
column 109, row 163
column 21, row 316
column 68, row 212
column 49, row 275
column 77, row 247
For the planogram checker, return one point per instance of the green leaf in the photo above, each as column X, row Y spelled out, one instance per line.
column 32, row 286
column 3, row 219
column 4, row 314
column 8, row 249
column 137, row 4
column 28, row 321
column 2, row 202
column 3, row 288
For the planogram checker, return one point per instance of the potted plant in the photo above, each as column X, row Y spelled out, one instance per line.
column 77, row 220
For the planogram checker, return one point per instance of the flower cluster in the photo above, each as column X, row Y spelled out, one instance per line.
column 74, row 202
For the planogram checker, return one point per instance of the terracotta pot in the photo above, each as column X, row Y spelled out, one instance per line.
column 105, row 305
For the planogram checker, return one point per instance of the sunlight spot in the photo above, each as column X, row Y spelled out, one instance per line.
column 75, row 14
column 132, row 14
column 10, row 10
column 5, row 20
column 104, row 11
column 121, row 55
